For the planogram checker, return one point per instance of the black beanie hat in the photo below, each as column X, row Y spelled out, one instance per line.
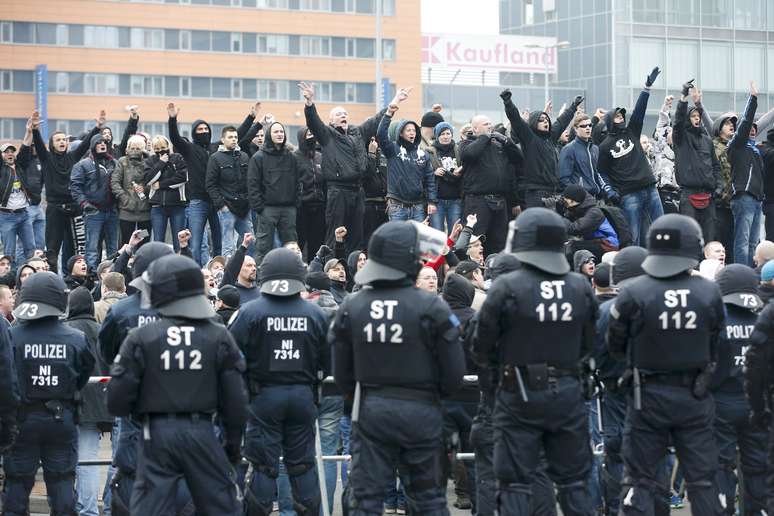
column 574, row 192
column 431, row 119
column 318, row 281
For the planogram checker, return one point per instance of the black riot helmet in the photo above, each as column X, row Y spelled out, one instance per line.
column 674, row 246
column 282, row 273
column 395, row 249
column 44, row 294
column 739, row 286
column 177, row 288
column 143, row 258
column 627, row 263
column 537, row 237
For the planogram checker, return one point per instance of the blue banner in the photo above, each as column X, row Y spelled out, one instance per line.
column 41, row 98
column 384, row 91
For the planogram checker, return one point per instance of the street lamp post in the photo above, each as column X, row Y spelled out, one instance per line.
column 546, row 49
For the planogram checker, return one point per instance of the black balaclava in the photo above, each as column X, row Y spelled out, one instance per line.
column 203, row 139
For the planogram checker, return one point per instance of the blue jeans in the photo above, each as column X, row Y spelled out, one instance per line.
column 329, row 416
column 284, row 493
column 747, row 211
column 641, row 208
column 96, row 224
column 229, row 224
column 595, row 489
column 87, row 477
column 399, row 211
column 13, row 225
column 199, row 212
column 160, row 215
column 38, row 219
column 448, row 211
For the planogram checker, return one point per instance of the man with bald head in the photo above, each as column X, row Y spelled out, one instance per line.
column 488, row 181
column 344, row 163
column 764, row 252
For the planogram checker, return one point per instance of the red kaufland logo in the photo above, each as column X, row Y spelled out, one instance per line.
column 507, row 53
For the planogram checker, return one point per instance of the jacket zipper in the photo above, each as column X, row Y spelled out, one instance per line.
column 749, row 179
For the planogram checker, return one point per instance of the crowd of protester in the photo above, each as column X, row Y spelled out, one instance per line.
column 82, row 205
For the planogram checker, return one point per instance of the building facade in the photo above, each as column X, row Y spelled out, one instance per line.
column 214, row 58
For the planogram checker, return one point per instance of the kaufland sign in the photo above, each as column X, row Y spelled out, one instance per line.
column 497, row 52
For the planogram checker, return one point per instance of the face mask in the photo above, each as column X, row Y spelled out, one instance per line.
column 201, row 138
column 162, row 152
column 134, row 153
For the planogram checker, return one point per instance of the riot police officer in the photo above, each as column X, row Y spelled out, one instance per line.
column 739, row 286
column 537, row 324
column 283, row 339
column 666, row 325
column 53, row 363
column 397, row 351
column 174, row 375
column 123, row 316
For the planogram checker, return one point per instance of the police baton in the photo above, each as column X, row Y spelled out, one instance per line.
column 356, row 404
column 520, row 381
column 637, row 388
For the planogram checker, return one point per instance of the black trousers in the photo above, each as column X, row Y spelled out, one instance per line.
column 705, row 217
column 492, row 214
column 344, row 207
column 724, row 229
column 375, row 216
column 128, row 227
column 310, row 226
column 60, row 230
column 768, row 212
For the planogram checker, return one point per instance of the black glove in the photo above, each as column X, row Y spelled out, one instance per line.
column 577, row 100
column 499, row 137
column 233, row 452
column 8, row 432
column 760, row 419
column 687, row 87
column 324, row 252
column 652, row 77
column 506, row 95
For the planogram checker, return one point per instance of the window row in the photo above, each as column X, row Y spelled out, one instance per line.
column 94, row 36
column 334, row 6
column 174, row 86
column 716, row 65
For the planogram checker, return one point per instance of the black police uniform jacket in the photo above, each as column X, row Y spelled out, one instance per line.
column 9, row 382
column 759, row 361
column 397, row 335
column 732, row 345
column 179, row 366
column 283, row 340
column 532, row 317
column 123, row 316
column 667, row 325
column 53, row 360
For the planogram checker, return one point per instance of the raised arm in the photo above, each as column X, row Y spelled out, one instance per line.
column 565, row 117
column 180, row 144
column 131, row 129
column 313, row 121
column 745, row 126
column 638, row 115
column 519, row 128
column 249, row 120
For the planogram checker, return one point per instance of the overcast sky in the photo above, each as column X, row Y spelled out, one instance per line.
column 460, row 16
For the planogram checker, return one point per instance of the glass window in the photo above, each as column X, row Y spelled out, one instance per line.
column 172, row 86
column 748, row 14
column 22, row 32
column 714, row 13
column 365, row 6
column 248, row 42
column 45, row 34
column 171, row 39
column 366, row 48
column 716, row 71
column 277, row 44
column 102, row 37
column 236, row 88
column 315, row 5
column 236, row 42
column 200, row 40
column 248, row 89
column 221, row 41
column 61, row 34
column 125, row 84
column 748, row 66
column 771, row 67
column 642, row 54
column 683, row 12
column 339, row 47
column 6, row 80
column 185, row 86
column 314, row 46
column 682, row 62
column 124, row 37
column 6, row 32
column 388, row 7
column 23, row 80
column 338, row 92
column 294, row 45
column 185, row 39
column 388, row 49
column 200, row 2
column 75, row 82
column 365, row 93
column 221, row 88
column 649, row 11
column 75, row 35
column 6, row 129
column 200, row 87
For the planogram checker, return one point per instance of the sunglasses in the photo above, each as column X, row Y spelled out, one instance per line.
column 584, row 126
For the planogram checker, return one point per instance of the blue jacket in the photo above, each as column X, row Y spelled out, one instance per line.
column 90, row 179
column 409, row 174
column 578, row 165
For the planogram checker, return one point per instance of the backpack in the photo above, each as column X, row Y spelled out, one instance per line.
column 616, row 217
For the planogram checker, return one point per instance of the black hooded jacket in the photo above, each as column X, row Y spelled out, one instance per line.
column 93, row 396
column 767, row 149
column 696, row 165
column 541, row 152
column 57, row 166
column 746, row 160
column 273, row 176
column 489, row 167
column 621, row 158
column 227, row 181
column 197, row 154
column 459, row 293
column 310, row 163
